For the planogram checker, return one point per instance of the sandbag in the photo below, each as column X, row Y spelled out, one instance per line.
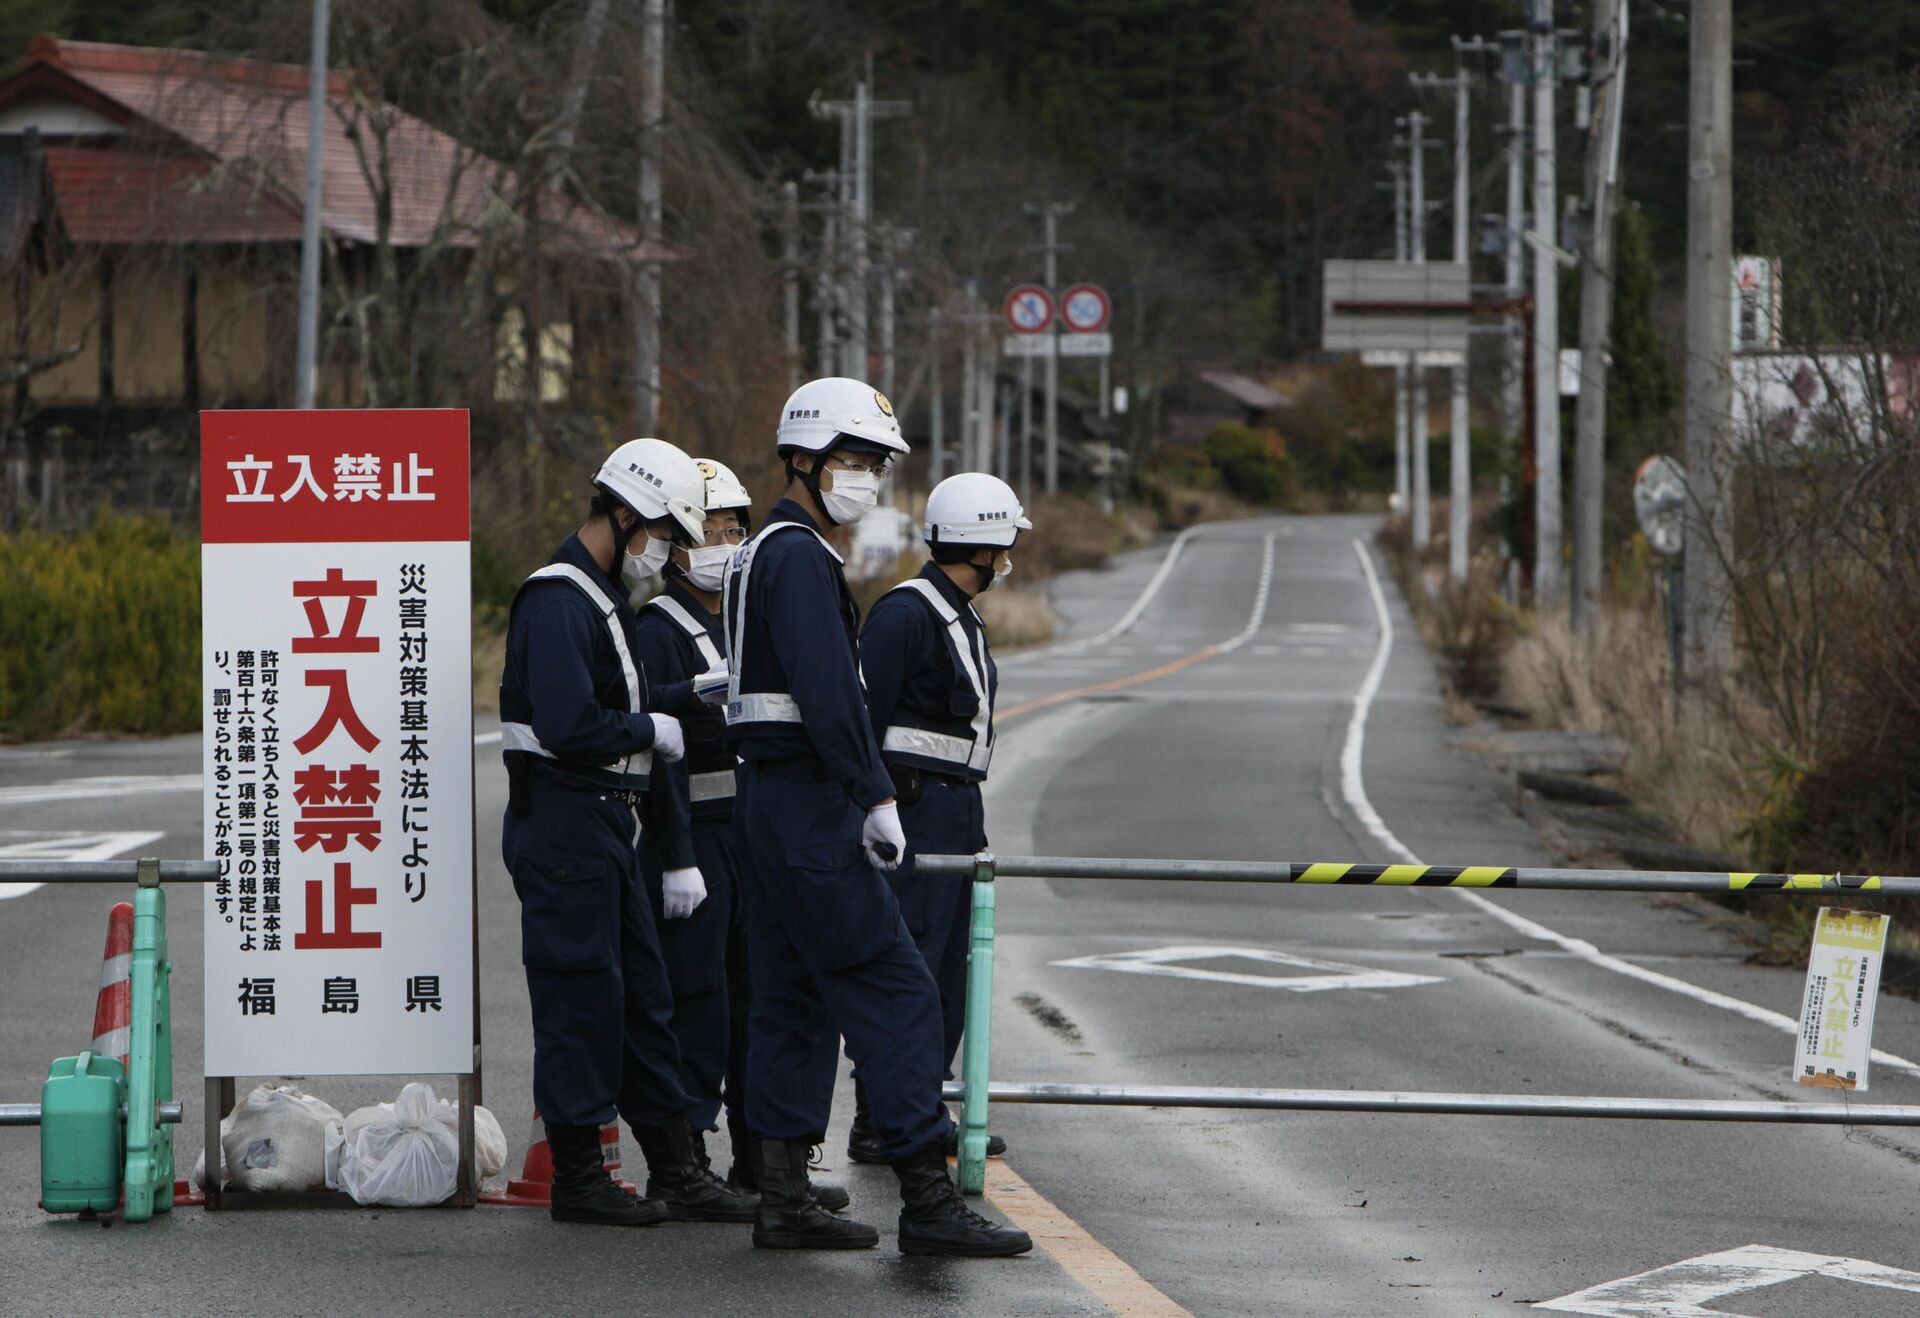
column 274, row 1139
column 406, row 1154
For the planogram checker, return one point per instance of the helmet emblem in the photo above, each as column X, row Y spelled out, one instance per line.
column 880, row 401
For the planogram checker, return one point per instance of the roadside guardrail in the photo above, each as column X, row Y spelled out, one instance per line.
column 976, row 1092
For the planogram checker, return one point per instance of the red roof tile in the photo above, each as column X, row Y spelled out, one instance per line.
column 253, row 115
column 109, row 196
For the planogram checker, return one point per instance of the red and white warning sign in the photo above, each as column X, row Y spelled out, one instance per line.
column 338, row 729
column 1029, row 308
column 1086, row 308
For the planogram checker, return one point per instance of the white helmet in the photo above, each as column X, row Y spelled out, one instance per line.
column 820, row 411
column 656, row 480
column 723, row 488
column 974, row 508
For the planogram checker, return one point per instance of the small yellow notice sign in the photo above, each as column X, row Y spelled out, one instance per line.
column 1843, row 982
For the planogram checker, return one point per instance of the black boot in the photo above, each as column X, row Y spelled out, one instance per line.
column 863, row 1141
column 679, row 1177
column 934, row 1219
column 950, row 1143
column 745, row 1177
column 582, row 1190
column 788, row 1216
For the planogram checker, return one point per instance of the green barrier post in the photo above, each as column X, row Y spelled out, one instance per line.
column 149, row 1166
column 979, row 1031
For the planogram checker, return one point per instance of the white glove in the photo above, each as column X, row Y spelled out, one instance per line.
column 882, row 832
column 710, row 688
column 669, row 743
column 681, row 891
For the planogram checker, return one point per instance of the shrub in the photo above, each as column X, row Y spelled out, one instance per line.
column 102, row 628
column 1253, row 464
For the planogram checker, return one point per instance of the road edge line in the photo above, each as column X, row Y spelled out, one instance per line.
column 1099, row 1271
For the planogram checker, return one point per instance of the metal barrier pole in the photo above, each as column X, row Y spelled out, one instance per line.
column 1312, row 873
column 148, row 1178
column 107, row 871
column 977, row 1039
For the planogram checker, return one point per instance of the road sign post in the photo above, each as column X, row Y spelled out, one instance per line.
column 337, row 671
column 1029, row 309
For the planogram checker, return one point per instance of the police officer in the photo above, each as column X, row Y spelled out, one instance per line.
column 580, row 743
column 931, row 685
column 702, row 931
column 829, row 953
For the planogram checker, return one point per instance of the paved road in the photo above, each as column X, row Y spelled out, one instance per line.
column 1169, row 748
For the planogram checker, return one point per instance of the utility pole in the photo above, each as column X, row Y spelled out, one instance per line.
column 1709, row 386
column 646, row 300
column 307, row 339
column 936, row 461
column 1402, row 484
column 1460, row 465
column 1547, row 579
column 855, row 191
column 889, row 243
column 1422, row 480
column 1050, row 213
column 1026, row 428
column 1596, row 306
column 1514, row 387
column 790, row 279
column 969, row 382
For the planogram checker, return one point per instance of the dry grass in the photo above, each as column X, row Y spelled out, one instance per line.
column 1016, row 616
column 1702, row 767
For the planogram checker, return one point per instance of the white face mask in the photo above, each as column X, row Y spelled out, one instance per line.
column 707, row 566
column 635, row 568
column 1001, row 571
column 853, row 496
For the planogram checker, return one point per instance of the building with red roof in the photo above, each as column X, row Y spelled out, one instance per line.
column 150, row 216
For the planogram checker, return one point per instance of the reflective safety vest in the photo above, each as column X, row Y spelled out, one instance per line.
column 751, row 697
column 628, row 772
column 961, row 748
column 709, row 763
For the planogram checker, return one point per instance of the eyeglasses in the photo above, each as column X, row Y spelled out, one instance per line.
column 881, row 467
column 732, row 535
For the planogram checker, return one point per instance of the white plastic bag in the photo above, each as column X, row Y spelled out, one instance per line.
column 489, row 1140
column 274, row 1139
column 403, row 1156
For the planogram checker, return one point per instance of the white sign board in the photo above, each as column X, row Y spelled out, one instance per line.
column 337, row 672
column 1756, row 303
column 1385, row 305
column 1071, row 345
column 1383, row 357
column 1836, row 1015
column 1086, row 345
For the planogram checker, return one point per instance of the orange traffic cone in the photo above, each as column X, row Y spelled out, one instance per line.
column 533, row 1187
column 113, row 1009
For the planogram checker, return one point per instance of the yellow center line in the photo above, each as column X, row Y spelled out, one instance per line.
column 1117, row 684
column 1107, row 1276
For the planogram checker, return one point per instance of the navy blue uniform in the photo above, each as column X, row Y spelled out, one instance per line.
column 931, row 683
column 830, row 954
column 572, row 707
column 705, row 952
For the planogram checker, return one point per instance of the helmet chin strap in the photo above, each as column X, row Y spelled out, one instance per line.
column 622, row 537
column 810, row 477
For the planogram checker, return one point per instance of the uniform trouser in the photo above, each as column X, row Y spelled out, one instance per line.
column 947, row 820
column 830, row 957
column 602, row 1008
column 706, row 956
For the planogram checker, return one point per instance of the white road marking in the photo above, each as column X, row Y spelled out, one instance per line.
column 1170, row 961
column 65, row 846
column 1311, row 651
column 82, row 789
column 1260, row 596
column 1319, row 628
column 1131, row 616
column 1686, row 1288
column 1353, row 790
